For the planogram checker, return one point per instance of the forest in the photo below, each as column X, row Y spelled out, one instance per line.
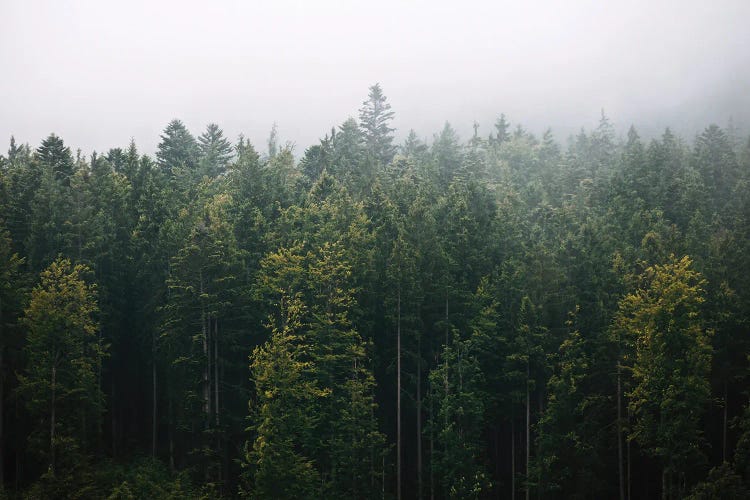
column 498, row 316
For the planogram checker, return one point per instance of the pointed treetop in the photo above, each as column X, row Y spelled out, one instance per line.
column 54, row 154
column 502, row 126
column 375, row 116
column 177, row 148
column 215, row 151
column 273, row 141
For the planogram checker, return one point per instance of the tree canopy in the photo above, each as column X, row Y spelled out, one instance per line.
column 382, row 315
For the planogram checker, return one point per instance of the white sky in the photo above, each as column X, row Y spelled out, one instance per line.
column 100, row 72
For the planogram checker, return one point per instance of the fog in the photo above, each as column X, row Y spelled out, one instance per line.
column 98, row 73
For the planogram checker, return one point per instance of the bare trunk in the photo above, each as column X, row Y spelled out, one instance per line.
column 445, row 376
column 419, row 418
column 628, row 452
column 114, row 419
column 216, row 370
column 540, row 401
column 496, row 455
column 353, row 437
column 100, row 394
column 52, row 419
column 17, row 476
column 724, row 429
column 432, row 447
column 398, row 399
column 447, row 329
column 225, row 448
column 372, row 448
column 153, row 394
column 216, row 392
column 619, row 433
column 528, row 431
column 382, row 476
column 206, row 368
column 171, row 435
column 512, row 459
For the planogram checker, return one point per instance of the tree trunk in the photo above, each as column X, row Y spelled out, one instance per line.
column 16, row 416
column 528, row 430
column 447, row 328
column 171, row 435
column 445, row 376
column 398, row 399
column 52, row 419
column 225, row 447
column 419, row 418
column 114, row 419
column 216, row 370
column 619, row 433
column 496, row 454
column 432, row 447
column 153, row 393
column 206, row 367
column 512, row 458
column 540, row 400
column 382, row 476
column 724, row 430
column 100, row 396
column 628, row 452
column 216, row 394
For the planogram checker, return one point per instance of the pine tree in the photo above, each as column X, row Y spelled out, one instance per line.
column 11, row 294
column 502, row 127
column 375, row 116
column 51, row 231
column 178, row 149
column 205, row 287
column 570, row 463
column 65, row 354
column 459, row 421
column 447, row 155
column 215, row 151
column 55, row 156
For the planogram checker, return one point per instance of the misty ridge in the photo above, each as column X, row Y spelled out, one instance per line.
column 305, row 66
column 487, row 251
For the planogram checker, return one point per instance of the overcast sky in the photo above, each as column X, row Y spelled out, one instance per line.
column 100, row 72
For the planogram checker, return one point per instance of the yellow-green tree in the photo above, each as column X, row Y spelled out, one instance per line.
column 278, row 458
column 313, row 411
column 61, row 384
column 670, row 366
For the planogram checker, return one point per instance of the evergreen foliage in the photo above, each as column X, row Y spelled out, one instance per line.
column 496, row 317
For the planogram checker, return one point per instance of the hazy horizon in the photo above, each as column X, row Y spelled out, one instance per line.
column 98, row 74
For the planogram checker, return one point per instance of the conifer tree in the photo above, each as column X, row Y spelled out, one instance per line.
column 215, row 151
column 459, row 421
column 11, row 294
column 277, row 461
column 55, row 156
column 204, row 287
column 64, row 353
column 671, row 366
column 178, row 149
column 375, row 117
